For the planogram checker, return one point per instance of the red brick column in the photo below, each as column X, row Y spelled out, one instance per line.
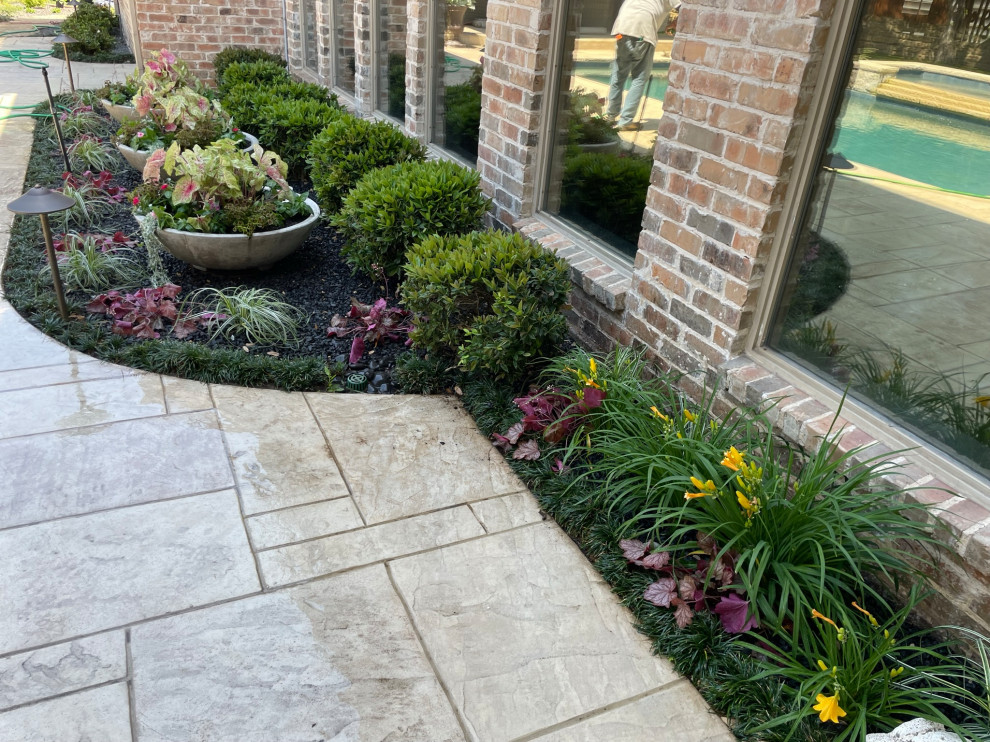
column 363, row 58
column 741, row 77
column 417, row 68
column 515, row 71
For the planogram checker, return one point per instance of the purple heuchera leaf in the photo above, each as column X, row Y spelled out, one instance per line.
column 527, row 450
column 687, row 587
column 657, row 560
column 634, row 550
column 661, row 592
column 515, row 432
column 357, row 349
column 501, row 443
column 733, row 611
column 683, row 615
column 559, row 466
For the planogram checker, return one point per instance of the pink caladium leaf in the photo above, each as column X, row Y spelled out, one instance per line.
column 683, row 615
column 527, row 451
column 733, row 611
column 661, row 592
column 515, row 432
column 656, row 560
column 634, row 550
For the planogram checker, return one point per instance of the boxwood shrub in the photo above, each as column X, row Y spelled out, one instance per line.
column 608, row 190
column 235, row 54
column 348, row 149
column 288, row 127
column 491, row 299
column 92, row 27
column 392, row 208
column 245, row 102
column 263, row 73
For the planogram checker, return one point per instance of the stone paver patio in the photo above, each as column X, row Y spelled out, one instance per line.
column 189, row 563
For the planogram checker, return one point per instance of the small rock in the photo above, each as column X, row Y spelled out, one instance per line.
column 378, row 380
column 916, row 730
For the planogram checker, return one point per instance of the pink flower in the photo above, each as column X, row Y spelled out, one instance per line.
column 235, row 130
column 135, row 200
column 163, row 186
column 140, row 134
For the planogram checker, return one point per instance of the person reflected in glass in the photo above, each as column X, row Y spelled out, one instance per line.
column 636, row 29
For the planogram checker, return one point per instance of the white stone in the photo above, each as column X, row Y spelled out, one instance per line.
column 82, row 470
column 524, row 633
column 303, row 522
column 335, row 659
column 324, row 556
column 81, row 575
column 42, row 673
column 97, row 715
column 510, row 511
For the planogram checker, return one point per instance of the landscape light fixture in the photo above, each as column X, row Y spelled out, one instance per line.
column 64, row 39
column 44, row 201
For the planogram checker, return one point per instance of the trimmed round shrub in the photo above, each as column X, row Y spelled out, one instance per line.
column 92, row 26
column 245, row 102
column 260, row 74
column 491, row 299
column 235, row 54
column 288, row 127
column 392, row 208
column 608, row 190
column 348, row 149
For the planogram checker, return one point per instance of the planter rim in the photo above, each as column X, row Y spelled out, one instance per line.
column 314, row 215
column 251, row 140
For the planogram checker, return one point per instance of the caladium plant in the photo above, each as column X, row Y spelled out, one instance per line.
column 370, row 323
column 704, row 585
column 143, row 313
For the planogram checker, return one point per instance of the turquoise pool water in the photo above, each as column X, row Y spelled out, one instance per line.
column 941, row 150
column 600, row 72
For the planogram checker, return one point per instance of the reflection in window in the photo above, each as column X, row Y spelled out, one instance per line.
column 391, row 62
column 460, row 31
column 309, row 34
column 601, row 163
column 889, row 282
column 343, row 14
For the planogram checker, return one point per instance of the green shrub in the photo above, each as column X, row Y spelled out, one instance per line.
column 245, row 101
column 288, row 127
column 462, row 115
column 492, row 299
column 424, row 375
column 391, row 208
column 92, row 26
column 397, row 86
column 348, row 149
column 260, row 74
column 237, row 54
column 608, row 190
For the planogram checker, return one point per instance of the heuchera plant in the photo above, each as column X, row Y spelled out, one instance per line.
column 143, row 313
column 370, row 323
column 552, row 414
column 207, row 185
column 701, row 586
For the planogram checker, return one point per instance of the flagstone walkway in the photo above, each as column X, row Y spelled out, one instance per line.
column 184, row 563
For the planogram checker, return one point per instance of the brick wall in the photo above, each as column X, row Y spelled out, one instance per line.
column 198, row 29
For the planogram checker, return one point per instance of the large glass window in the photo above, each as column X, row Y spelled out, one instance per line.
column 605, row 132
column 391, row 61
column 459, row 33
column 889, row 281
column 309, row 35
column 343, row 45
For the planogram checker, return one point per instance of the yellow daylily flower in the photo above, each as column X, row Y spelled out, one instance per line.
column 752, row 507
column 823, row 617
column 828, row 708
column 733, row 458
column 690, row 416
column 983, row 400
column 822, row 665
column 593, row 367
column 693, row 495
column 657, row 413
column 863, row 610
column 895, row 672
column 704, row 489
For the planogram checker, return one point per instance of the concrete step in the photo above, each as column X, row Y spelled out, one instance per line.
column 936, row 99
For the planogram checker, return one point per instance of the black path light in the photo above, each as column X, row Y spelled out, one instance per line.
column 43, row 201
column 64, row 39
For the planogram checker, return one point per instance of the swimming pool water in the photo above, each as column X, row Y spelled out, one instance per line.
column 601, row 72
column 938, row 149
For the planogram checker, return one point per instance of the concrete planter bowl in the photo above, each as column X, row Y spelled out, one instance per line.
column 119, row 112
column 138, row 158
column 233, row 252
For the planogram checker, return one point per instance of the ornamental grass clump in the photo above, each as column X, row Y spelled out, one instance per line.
column 218, row 189
column 258, row 315
column 390, row 209
column 490, row 300
column 93, row 263
column 348, row 149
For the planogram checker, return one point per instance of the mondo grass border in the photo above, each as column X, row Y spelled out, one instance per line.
column 33, row 296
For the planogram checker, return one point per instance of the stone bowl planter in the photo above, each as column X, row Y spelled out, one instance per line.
column 232, row 252
column 120, row 112
column 138, row 158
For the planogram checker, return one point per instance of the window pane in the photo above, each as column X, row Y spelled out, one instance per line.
column 392, row 58
column 310, row 57
column 599, row 175
column 460, row 31
column 343, row 13
column 890, row 278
